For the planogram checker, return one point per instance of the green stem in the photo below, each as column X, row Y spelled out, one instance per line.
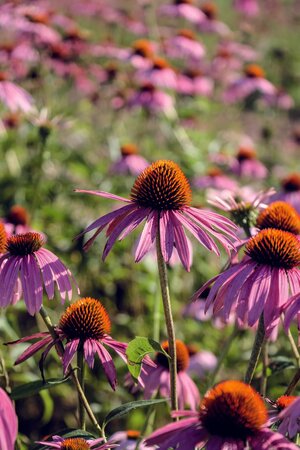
column 256, row 350
column 156, row 316
column 81, row 410
column 224, row 353
column 293, row 344
column 163, row 278
column 60, row 350
column 264, row 376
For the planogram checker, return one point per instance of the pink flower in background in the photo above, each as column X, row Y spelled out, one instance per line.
column 17, row 221
column 13, row 96
column 35, row 267
column 248, row 7
column 216, row 179
column 262, row 282
column 77, row 443
column 232, row 415
column 8, row 422
column 184, row 9
column 247, row 165
column 289, row 417
column 152, row 100
column 161, row 195
column 290, row 191
column 160, row 74
column 202, row 362
column 127, row 440
column 253, row 81
column 210, row 24
column 130, row 162
column 185, row 45
column 85, row 324
column 154, row 379
column 194, row 82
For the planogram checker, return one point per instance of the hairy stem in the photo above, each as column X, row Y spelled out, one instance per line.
column 256, row 350
column 81, row 410
column 60, row 350
column 163, row 278
column 264, row 375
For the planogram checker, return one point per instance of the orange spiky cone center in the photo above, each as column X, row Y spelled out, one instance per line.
column 24, row 244
column 279, row 215
column 182, row 356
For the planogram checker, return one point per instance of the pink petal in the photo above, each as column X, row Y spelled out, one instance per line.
column 147, row 236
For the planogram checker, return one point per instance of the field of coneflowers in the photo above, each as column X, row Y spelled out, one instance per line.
column 149, row 231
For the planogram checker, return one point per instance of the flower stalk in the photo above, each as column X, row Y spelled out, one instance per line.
column 256, row 350
column 81, row 410
column 163, row 278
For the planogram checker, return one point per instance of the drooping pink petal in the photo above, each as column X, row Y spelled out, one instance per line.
column 147, row 237
column 107, row 364
column 8, row 422
column 181, row 244
column 119, row 347
column 32, row 349
column 89, row 349
column 166, row 230
column 105, row 195
column 8, row 280
column 70, row 351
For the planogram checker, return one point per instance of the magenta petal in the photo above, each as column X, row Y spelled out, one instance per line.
column 8, row 422
column 166, row 230
column 89, row 349
column 147, row 236
column 292, row 308
column 107, row 364
column 32, row 349
column 133, row 219
column 118, row 347
column 47, row 273
column 70, row 351
column 104, row 194
column 27, row 273
column 8, row 279
column 181, row 243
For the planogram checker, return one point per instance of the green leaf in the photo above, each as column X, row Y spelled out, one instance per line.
column 32, row 388
column 127, row 407
column 136, row 351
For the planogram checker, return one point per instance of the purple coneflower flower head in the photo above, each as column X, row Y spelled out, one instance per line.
column 253, row 81
column 77, row 444
column 26, row 260
column 153, row 100
column 86, row 326
column 290, row 191
column 279, row 405
column 158, row 378
column 161, row 195
column 17, row 220
column 8, row 422
column 194, row 82
column 215, row 178
column 289, row 417
column 184, row 9
column 231, row 415
column 279, row 215
column 185, row 45
column 130, row 162
column 127, row 440
column 160, row 74
column 248, row 7
column 261, row 283
column 202, row 362
column 247, row 165
column 210, row 24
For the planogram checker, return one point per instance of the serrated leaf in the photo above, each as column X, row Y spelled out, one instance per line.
column 127, row 407
column 136, row 351
column 32, row 388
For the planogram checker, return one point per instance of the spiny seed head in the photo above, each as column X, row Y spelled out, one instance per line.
column 160, row 63
column 291, row 183
column 188, row 34
column 233, row 409
column 275, row 248
column 162, row 186
column 129, row 149
column 182, row 356
column 254, row 71
column 74, row 444
column 279, row 215
column 284, row 401
column 143, row 48
column 84, row 319
column 245, row 153
column 17, row 215
column 210, row 10
column 24, row 244
column 133, row 434
column 244, row 215
column 3, row 238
